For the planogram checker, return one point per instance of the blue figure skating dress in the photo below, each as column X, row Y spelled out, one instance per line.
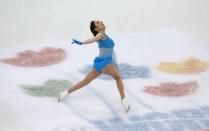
column 106, row 54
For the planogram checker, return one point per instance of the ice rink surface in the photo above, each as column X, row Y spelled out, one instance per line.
column 163, row 56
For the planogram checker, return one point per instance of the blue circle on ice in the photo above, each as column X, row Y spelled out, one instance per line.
column 127, row 71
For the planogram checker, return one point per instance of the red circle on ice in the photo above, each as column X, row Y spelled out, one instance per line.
column 45, row 57
column 172, row 89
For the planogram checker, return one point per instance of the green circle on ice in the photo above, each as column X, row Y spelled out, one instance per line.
column 50, row 89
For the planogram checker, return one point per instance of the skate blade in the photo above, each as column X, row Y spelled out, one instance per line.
column 58, row 99
column 129, row 108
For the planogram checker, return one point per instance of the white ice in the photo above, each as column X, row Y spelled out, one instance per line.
column 145, row 32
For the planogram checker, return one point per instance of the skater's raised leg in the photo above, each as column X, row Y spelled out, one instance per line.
column 90, row 76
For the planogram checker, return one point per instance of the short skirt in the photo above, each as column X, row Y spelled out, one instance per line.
column 101, row 62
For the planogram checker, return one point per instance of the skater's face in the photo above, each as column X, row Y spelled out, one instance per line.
column 99, row 26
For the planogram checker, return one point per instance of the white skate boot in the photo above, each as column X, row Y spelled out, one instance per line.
column 126, row 105
column 63, row 95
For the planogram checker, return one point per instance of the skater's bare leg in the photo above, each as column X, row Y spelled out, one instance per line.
column 112, row 71
column 90, row 76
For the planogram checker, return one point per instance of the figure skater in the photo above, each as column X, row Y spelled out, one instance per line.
column 105, row 63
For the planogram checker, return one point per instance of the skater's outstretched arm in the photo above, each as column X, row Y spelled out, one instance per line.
column 98, row 37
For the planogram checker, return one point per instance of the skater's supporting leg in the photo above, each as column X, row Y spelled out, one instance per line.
column 112, row 71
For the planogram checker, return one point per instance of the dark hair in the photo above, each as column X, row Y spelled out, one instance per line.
column 92, row 28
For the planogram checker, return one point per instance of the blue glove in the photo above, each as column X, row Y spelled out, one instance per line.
column 76, row 42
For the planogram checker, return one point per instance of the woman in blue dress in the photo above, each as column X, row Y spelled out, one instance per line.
column 105, row 63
